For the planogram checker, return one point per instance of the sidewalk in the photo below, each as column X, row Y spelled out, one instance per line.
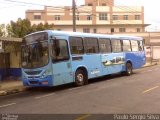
column 11, row 86
column 150, row 64
column 14, row 86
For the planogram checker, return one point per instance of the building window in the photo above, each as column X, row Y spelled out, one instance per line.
column 125, row 17
column 104, row 4
column 122, row 29
column 94, row 30
column 89, row 4
column 37, row 17
column 91, row 45
column 86, row 30
column 137, row 17
column 77, row 17
column 57, row 17
column 115, row 17
column 102, row 16
column 89, row 17
column 138, row 29
column 112, row 30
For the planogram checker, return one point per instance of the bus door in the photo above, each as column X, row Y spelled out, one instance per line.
column 61, row 62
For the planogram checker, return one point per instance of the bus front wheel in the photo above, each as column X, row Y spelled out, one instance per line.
column 80, row 78
column 129, row 70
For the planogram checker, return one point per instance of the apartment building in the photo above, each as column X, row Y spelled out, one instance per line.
column 96, row 16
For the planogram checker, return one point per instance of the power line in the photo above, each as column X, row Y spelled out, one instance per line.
column 28, row 4
column 14, row 1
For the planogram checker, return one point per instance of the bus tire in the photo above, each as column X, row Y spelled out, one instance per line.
column 129, row 69
column 80, row 78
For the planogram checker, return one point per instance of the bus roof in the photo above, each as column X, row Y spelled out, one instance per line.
column 125, row 37
column 80, row 34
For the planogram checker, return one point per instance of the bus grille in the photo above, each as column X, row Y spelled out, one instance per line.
column 33, row 72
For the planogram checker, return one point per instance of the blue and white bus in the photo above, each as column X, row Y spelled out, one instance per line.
column 51, row 58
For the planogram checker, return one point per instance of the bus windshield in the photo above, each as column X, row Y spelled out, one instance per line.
column 35, row 55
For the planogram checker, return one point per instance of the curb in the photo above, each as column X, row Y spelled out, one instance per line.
column 11, row 91
column 150, row 65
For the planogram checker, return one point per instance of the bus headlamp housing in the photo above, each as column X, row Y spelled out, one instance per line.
column 45, row 74
column 24, row 76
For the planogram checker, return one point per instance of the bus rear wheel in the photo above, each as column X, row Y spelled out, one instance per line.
column 80, row 78
column 129, row 69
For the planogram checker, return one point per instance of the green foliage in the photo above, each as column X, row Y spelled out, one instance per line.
column 9, row 30
column 2, row 30
column 22, row 27
column 19, row 28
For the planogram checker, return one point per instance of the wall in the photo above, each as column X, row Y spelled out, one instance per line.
column 10, row 58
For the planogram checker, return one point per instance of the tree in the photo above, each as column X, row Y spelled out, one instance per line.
column 41, row 27
column 2, row 30
column 22, row 27
column 9, row 30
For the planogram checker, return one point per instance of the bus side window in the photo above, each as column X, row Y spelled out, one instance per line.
column 76, row 45
column 140, row 45
column 105, row 45
column 55, row 48
column 116, row 45
column 91, row 45
column 126, row 45
column 134, row 45
column 59, row 50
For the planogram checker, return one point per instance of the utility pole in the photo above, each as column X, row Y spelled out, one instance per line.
column 74, row 15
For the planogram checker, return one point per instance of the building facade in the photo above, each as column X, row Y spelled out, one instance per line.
column 96, row 16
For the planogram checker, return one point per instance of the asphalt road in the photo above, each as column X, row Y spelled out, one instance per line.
column 117, row 94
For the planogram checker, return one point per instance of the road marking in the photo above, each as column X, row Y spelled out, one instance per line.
column 44, row 96
column 83, row 117
column 150, row 89
column 7, row 105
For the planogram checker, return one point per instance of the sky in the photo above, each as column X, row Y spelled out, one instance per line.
column 14, row 9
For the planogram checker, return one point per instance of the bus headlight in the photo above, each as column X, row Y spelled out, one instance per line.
column 45, row 74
